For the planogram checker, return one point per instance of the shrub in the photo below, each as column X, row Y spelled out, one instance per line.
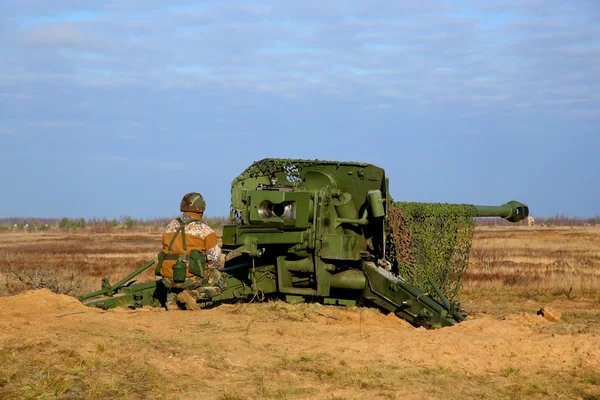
column 58, row 280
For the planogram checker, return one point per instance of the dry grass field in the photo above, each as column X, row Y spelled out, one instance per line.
column 53, row 347
column 512, row 268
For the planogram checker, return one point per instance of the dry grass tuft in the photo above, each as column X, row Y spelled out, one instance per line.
column 59, row 280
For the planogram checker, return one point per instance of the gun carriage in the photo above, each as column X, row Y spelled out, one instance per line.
column 318, row 231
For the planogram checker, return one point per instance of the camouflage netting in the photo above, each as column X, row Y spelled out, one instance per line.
column 270, row 167
column 430, row 240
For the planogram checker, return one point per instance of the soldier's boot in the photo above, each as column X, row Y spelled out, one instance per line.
column 171, row 304
column 188, row 300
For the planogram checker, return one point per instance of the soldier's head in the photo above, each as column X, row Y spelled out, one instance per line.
column 193, row 202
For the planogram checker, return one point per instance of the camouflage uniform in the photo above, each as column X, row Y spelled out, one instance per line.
column 198, row 236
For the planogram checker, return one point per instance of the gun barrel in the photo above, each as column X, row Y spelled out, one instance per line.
column 512, row 211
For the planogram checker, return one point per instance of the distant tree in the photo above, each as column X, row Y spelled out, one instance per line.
column 129, row 222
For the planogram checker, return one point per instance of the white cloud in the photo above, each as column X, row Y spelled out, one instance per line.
column 429, row 54
column 108, row 158
column 383, row 106
column 59, row 35
column 16, row 96
column 55, row 124
column 7, row 132
column 170, row 166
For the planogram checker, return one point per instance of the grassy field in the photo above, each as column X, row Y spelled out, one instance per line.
column 560, row 261
column 53, row 347
column 541, row 259
column 73, row 263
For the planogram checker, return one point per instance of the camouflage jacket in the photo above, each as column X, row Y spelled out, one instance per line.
column 198, row 235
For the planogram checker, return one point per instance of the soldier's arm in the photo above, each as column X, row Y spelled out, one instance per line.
column 213, row 257
column 213, row 251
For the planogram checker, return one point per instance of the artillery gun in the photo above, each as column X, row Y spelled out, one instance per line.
column 325, row 231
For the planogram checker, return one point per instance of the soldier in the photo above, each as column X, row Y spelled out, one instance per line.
column 190, row 258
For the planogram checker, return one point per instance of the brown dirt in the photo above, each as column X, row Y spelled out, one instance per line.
column 51, row 345
column 550, row 314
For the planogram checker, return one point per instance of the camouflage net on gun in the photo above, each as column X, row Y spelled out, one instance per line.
column 268, row 168
column 286, row 169
column 430, row 241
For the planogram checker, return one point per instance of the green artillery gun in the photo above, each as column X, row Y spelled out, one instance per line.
column 327, row 231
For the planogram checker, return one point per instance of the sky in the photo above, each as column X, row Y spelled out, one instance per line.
column 113, row 108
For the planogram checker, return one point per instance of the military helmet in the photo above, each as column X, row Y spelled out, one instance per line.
column 193, row 202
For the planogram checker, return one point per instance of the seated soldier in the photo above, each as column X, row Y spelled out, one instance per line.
column 190, row 258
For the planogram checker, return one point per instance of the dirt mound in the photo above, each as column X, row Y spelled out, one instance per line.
column 36, row 305
column 44, row 301
column 51, row 345
column 550, row 314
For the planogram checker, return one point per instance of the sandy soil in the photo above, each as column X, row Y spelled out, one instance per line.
column 53, row 346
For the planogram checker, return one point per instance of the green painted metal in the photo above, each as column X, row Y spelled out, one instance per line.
column 352, row 279
column 312, row 230
column 292, row 299
column 513, row 211
column 339, row 302
column 109, row 290
column 134, row 296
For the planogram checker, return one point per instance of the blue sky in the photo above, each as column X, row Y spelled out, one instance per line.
column 119, row 108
